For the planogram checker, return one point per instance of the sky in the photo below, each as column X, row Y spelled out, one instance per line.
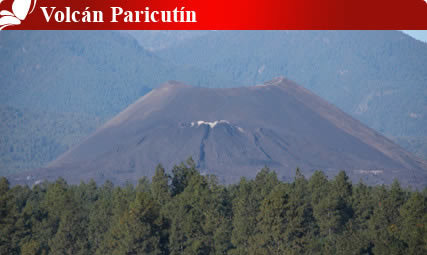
column 417, row 34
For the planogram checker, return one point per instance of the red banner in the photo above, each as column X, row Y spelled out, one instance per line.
column 212, row 14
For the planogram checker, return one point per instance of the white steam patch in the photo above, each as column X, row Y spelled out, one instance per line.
column 212, row 124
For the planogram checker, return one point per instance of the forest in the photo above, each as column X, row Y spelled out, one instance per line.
column 186, row 212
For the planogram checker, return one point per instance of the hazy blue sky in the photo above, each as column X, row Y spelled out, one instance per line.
column 418, row 34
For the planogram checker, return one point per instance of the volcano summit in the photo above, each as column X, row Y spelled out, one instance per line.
column 232, row 133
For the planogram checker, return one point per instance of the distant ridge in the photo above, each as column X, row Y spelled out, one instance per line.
column 378, row 77
column 232, row 133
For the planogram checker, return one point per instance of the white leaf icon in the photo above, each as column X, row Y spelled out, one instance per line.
column 20, row 8
column 8, row 20
column 6, row 13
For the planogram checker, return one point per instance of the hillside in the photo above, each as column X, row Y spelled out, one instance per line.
column 63, row 83
column 233, row 133
column 378, row 77
column 95, row 72
column 31, row 138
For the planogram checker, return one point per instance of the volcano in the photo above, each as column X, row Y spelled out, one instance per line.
column 234, row 132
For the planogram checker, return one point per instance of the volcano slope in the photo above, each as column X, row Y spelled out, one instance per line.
column 231, row 133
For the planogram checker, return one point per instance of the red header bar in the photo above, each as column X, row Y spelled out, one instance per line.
column 212, row 14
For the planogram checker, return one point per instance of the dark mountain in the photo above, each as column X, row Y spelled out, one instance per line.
column 50, row 80
column 57, row 86
column 378, row 77
column 232, row 133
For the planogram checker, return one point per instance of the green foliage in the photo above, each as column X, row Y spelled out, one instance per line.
column 182, row 175
column 259, row 216
column 384, row 223
column 246, row 207
column 413, row 224
column 138, row 229
column 160, row 185
column 100, row 218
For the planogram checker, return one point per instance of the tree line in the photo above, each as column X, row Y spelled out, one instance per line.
column 190, row 213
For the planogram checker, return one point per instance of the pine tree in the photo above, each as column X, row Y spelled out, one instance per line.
column 219, row 220
column 343, row 189
column 355, row 238
column 4, row 186
column 331, row 208
column 159, row 186
column 100, row 219
column 35, row 216
column 182, row 175
column 71, row 237
column 6, row 218
column 246, row 207
column 143, row 185
column 413, row 224
column 384, row 228
column 272, row 222
column 199, row 219
column 245, row 210
column 300, row 217
column 71, row 218
column 138, row 230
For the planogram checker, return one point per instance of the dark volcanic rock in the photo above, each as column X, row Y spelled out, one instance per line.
column 233, row 133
